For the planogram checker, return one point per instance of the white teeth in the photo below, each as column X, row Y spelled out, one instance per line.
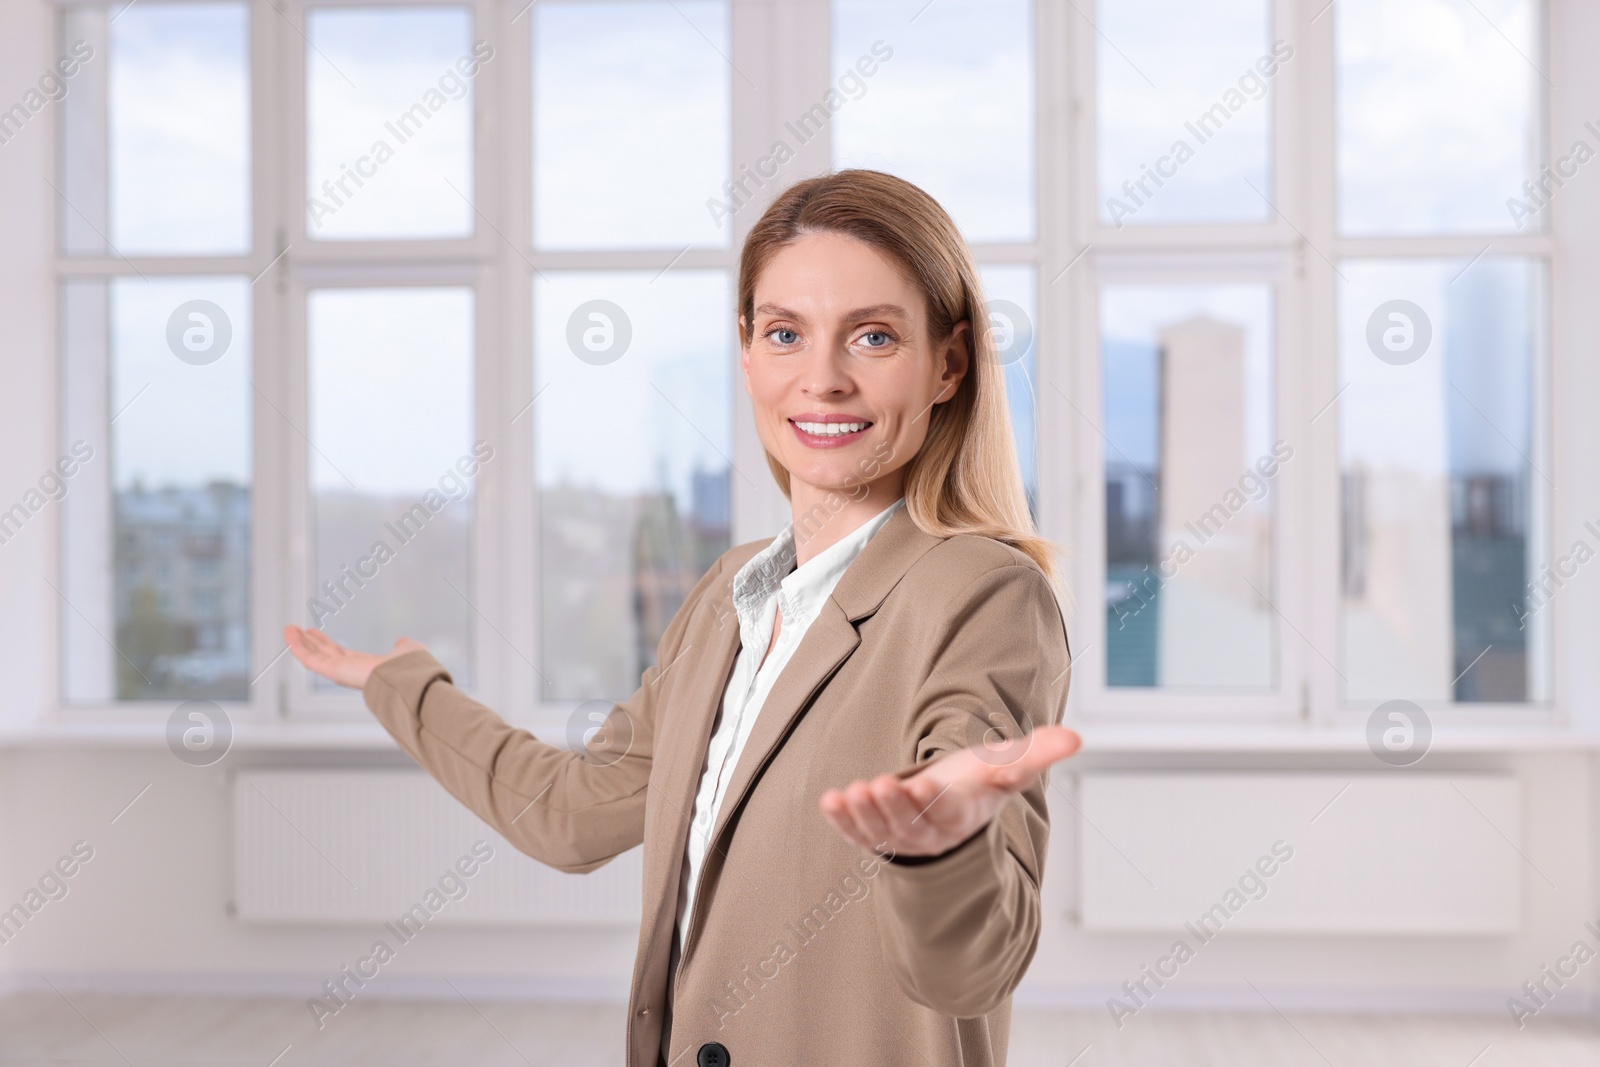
column 832, row 429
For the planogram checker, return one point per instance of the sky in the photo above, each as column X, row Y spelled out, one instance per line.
column 632, row 106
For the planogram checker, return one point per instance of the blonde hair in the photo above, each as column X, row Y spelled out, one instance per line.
column 966, row 478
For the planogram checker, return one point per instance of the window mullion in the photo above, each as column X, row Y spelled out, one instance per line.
column 787, row 49
column 1316, row 406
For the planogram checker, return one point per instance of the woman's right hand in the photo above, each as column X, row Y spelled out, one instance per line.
column 323, row 655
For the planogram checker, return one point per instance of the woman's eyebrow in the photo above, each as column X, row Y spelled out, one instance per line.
column 778, row 312
column 876, row 311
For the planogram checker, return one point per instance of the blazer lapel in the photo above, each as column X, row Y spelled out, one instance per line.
column 824, row 648
column 683, row 733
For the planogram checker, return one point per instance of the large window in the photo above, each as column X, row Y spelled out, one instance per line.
column 388, row 122
column 156, row 362
column 1217, row 405
column 1439, row 438
column 633, row 368
column 415, row 318
column 907, row 77
column 393, row 465
column 1191, row 464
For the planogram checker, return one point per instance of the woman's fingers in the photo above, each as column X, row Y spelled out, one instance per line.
column 301, row 645
column 322, row 655
column 1011, row 766
column 858, row 795
column 319, row 652
column 1037, row 752
column 837, row 812
column 325, row 644
column 900, row 813
column 852, row 813
column 915, row 827
column 942, row 805
column 895, row 805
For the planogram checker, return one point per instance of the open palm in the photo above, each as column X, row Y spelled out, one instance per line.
column 947, row 801
column 323, row 655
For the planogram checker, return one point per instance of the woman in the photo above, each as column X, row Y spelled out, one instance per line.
column 835, row 767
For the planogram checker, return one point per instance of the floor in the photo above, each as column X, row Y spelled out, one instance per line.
column 37, row 1029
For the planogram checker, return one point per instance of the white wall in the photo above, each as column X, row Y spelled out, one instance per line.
column 1369, row 973
column 27, row 367
column 153, row 900
column 26, row 388
column 149, row 910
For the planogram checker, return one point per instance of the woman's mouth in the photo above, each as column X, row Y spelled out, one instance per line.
column 830, row 432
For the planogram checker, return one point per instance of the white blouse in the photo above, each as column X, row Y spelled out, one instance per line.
column 767, row 583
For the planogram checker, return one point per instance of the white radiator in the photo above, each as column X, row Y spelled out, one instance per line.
column 364, row 846
column 1402, row 853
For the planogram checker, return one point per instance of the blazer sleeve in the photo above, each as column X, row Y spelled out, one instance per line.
column 958, row 931
column 573, row 809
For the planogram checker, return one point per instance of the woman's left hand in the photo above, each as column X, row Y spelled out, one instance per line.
column 323, row 655
column 948, row 801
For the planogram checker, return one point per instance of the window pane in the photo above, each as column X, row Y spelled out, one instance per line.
column 389, row 96
column 912, row 81
column 156, row 530
column 1009, row 291
column 633, row 430
column 631, row 124
column 1185, row 110
column 1438, row 115
column 1436, row 431
column 393, row 465
column 1191, row 469
column 155, row 129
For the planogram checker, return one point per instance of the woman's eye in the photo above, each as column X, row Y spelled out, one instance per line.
column 784, row 336
column 875, row 338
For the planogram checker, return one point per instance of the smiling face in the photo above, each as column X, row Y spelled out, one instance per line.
column 841, row 370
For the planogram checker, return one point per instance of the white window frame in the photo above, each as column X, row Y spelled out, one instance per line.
column 1291, row 250
column 1071, row 254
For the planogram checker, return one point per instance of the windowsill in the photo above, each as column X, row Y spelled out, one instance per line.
column 353, row 735
column 1098, row 738
column 1302, row 738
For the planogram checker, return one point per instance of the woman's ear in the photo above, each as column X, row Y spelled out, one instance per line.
column 744, row 352
column 956, row 359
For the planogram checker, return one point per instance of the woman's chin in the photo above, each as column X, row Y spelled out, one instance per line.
column 843, row 479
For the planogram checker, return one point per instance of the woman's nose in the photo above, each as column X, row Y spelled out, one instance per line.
column 825, row 373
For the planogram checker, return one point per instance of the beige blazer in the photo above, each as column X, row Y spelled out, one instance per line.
column 801, row 948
